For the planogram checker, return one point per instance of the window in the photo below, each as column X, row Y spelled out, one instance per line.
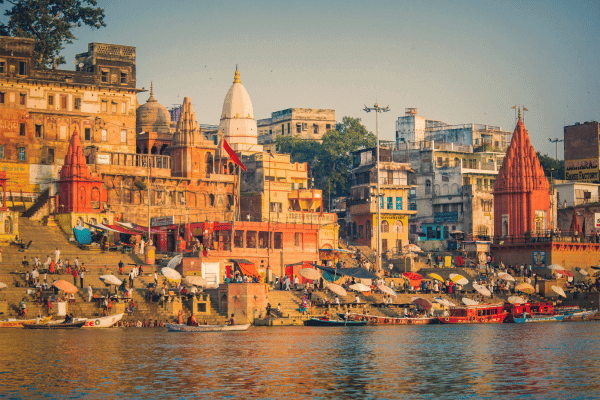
column 412, row 199
column 21, row 153
column 297, row 239
column 63, row 102
column 77, row 103
column 22, row 99
column 2, row 67
column 278, row 240
column 298, row 128
column 104, row 78
column 398, row 203
column 123, row 108
column 315, row 129
column 113, row 107
column 282, row 129
column 385, row 226
column 304, row 126
column 104, row 106
column 276, row 207
column 328, row 126
column 38, row 131
column 22, row 68
column 1, row 152
column 1, row 98
column 123, row 135
column 88, row 134
column 104, row 135
column 50, row 99
column 390, row 203
column 427, row 186
column 289, row 128
column 123, row 77
column 22, row 129
column 238, row 239
column 50, row 156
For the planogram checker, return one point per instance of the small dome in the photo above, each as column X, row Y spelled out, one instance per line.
column 237, row 103
column 152, row 116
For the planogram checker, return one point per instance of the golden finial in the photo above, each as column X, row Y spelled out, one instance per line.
column 519, row 113
column 236, row 78
column 151, row 88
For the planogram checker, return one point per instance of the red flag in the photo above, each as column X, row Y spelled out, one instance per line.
column 232, row 154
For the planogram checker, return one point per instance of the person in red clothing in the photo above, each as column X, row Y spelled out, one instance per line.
column 450, row 284
column 52, row 267
column 75, row 276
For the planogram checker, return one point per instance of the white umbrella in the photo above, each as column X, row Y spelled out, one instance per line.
column 555, row 266
column 367, row 282
column 175, row 261
column 469, row 302
column 516, row 299
column 444, row 302
column 310, row 273
column 337, row 289
column 171, row 274
column 558, row 290
column 3, row 285
column 482, row 290
column 457, row 278
column 195, row 280
column 413, row 248
column 506, row 277
column 581, row 271
column 110, row 279
column 359, row 287
column 387, row 290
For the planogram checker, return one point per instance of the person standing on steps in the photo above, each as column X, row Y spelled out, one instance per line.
column 81, row 275
column 121, row 265
column 89, row 293
column 75, row 275
column 56, row 255
column 76, row 262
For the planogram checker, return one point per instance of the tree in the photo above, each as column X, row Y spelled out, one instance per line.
column 51, row 24
column 548, row 164
column 331, row 160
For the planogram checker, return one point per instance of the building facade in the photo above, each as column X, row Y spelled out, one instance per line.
column 582, row 152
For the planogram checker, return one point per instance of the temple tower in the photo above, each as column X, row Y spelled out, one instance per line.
column 521, row 191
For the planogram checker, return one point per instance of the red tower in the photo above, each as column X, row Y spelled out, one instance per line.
column 521, row 191
column 79, row 191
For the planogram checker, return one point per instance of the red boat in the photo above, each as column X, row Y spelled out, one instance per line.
column 479, row 314
column 379, row 320
column 516, row 310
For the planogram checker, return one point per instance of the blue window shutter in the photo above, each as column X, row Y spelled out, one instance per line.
column 381, row 202
column 398, row 203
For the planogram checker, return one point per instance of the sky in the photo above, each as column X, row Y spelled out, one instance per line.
column 456, row 61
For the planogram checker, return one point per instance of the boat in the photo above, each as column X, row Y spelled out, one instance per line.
column 381, row 320
column 475, row 314
column 333, row 322
column 574, row 313
column 206, row 328
column 18, row 323
column 532, row 312
column 69, row 325
column 101, row 322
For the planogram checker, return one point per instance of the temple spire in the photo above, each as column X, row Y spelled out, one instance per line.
column 151, row 98
column 236, row 78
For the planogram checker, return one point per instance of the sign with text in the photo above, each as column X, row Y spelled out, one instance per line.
column 162, row 221
column 585, row 170
column 103, row 159
column 597, row 220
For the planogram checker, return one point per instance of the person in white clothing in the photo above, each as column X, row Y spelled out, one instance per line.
column 142, row 244
column 56, row 255
column 89, row 293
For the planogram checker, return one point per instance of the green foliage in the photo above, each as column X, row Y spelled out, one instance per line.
column 141, row 185
column 331, row 160
column 548, row 163
column 51, row 23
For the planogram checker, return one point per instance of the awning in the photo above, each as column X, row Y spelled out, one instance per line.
column 240, row 261
column 338, row 250
column 356, row 272
column 247, row 267
column 222, row 226
column 113, row 228
column 138, row 228
column 82, row 235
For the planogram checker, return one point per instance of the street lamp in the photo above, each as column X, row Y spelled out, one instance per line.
column 378, row 110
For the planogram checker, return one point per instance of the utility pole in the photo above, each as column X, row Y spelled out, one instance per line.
column 378, row 110
column 556, row 141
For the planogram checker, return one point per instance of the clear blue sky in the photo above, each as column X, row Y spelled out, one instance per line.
column 456, row 61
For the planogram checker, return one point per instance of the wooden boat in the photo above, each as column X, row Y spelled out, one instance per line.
column 476, row 314
column 101, row 322
column 18, row 323
column 532, row 312
column 531, row 318
column 70, row 325
column 583, row 315
column 206, row 328
column 333, row 322
column 379, row 320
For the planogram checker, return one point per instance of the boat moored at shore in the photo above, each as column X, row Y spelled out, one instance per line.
column 476, row 314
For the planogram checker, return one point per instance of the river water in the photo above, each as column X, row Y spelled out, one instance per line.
column 555, row 360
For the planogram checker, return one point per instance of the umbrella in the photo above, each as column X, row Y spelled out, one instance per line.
column 337, row 289
column 555, row 266
column 581, row 271
column 559, row 291
column 110, row 279
column 457, row 278
column 435, row 276
column 310, row 273
column 3, row 285
column 359, row 287
column 469, row 302
column 195, row 280
column 387, row 290
column 367, row 282
column 482, row 290
column 444, row 302
column 525, row 288
column 506, row 277
column 413, row 248
column 564, row 272
column 175, row 261
column 516, row 299
column 423, row 303
column 171, row 274
column 65, row 286
column 413, row 276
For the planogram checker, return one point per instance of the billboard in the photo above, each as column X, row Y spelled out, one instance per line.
column 584, row 170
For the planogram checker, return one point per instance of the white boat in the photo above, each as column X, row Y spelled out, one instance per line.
column 206, row 328
column 101, row 322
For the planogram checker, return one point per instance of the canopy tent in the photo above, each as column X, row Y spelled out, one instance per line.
column 246, row 267
column 356, row 272
column 82, row 234
column 137, row 228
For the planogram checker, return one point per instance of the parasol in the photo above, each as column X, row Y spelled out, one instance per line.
column 310, row 273
column 506, row 277
column 413, row 248
column 359, row 287
column 421, row 302
column 555, row 266
column 516, row 299
column 337, row 289
column 195, row 280
column 387, row 290
column 3, row 285
column 564, row 272
column 413, row 276
column 469, row 302
column 525, row 288
column 171, row 274
column 444, row 302
column 482, row 290
column 559, row 291
column 457, row 278
column 65, row 286
column 367, row 281
column 110, row 279
column 435, row 276
column 581, row 271
column 175, row 261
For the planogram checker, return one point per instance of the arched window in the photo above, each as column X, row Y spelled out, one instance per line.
column 436, row 190
column 153, row 150
column 427, row 186
column 8, row 226
column 80, row 221
column 163, row 149
column 95, row 198
column 385, row 226
column 212, row 199
column 455, row 189
column 445, row 190
column 93, row 222
column 209, row 163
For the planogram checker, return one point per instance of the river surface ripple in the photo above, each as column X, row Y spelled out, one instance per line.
column 555, row 360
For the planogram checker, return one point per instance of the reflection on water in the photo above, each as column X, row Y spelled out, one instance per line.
column 477, row 361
